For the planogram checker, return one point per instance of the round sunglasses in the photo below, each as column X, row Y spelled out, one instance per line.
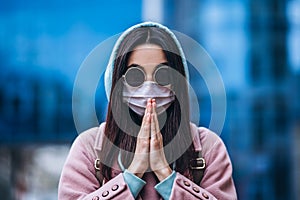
column 135, row 76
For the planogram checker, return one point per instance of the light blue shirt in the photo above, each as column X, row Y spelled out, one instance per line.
column 135, row 184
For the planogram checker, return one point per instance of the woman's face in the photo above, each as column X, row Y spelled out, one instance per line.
column 148, row 57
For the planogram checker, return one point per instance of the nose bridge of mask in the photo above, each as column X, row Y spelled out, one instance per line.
column 152, row 89
column 149, row 89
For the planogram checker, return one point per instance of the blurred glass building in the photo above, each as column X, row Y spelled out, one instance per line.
column 255, row 45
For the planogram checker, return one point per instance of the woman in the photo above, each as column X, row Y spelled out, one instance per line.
column 147, row 148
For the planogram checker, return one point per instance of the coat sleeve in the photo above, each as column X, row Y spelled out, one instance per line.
column 217, row 181
column 78, row 180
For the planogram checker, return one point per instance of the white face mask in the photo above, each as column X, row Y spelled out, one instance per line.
column 136, row 97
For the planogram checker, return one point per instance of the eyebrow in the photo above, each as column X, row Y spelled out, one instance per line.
column 137, row 65
column 133, row 65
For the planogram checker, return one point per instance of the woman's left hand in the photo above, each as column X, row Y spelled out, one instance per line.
column 158, row 161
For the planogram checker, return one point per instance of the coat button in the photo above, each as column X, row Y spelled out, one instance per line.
column 114, row 188
column 186, row 183
column 105, row 193
column 205, row 195
column 196, row 189
column 95, row 198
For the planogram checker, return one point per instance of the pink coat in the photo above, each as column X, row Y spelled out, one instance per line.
column 78, row 180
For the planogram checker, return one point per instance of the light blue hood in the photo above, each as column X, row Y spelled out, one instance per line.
column 109, row 69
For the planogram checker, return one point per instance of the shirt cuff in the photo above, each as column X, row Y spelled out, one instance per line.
column 164, row 188
column 134, row 183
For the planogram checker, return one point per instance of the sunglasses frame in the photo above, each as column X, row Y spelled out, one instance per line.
column 157, row 68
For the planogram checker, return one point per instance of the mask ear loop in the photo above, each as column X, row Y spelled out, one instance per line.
column 134, row 68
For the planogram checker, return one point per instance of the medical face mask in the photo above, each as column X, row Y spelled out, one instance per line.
column 136, row 97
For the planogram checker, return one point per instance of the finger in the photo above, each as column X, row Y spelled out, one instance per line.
column 153, row 128
column 155, row 116
column 145, row 129
column 147, row 110
column 150, row 105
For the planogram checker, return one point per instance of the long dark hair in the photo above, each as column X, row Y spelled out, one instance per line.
column 177, row 115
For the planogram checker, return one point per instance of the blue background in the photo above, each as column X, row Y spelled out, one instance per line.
column 255, row 45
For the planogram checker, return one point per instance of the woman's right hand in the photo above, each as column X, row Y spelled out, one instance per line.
column 140, row 162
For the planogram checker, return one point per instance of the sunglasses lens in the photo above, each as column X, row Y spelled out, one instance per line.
column 134, row 77
column 162, row 75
